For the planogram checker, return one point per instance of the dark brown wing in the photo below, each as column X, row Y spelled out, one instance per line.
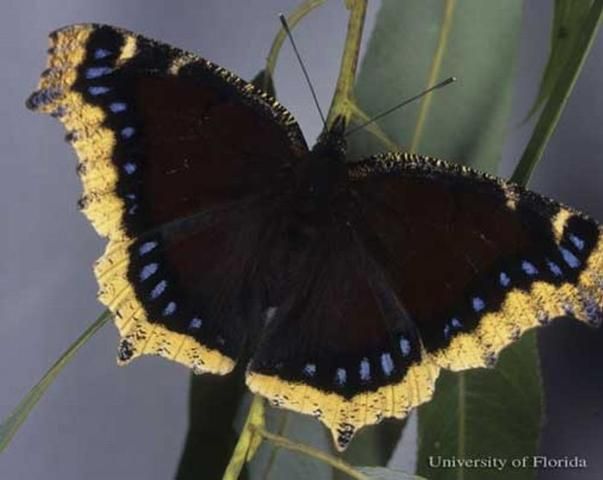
column 341, row 346
column 475, row 261
column 179, row 159
column 433, row 265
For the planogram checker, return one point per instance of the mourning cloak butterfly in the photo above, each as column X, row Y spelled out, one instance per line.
column 346, row 286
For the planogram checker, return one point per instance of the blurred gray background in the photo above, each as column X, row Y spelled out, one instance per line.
column 99, row 421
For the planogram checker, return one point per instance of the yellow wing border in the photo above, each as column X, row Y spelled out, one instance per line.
column 95, row 144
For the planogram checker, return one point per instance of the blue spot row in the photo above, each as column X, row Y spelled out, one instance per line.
column 451, row 327
column 147, row 247
column 569, row 258
column 127, row 132
column 455, row 323
column 97, row 72
column 365, row 370
column 196, row 323
column 97, row 90
column 478, row 304
column 529, row 268
column 118, row 107
column 130, row 168
column 405, row 346
column 364, row 367
column 578, row 242
column 148, row 270
column 101, row 53
column 169, row 309
column 387, row 364
column 554, row 268
column 158, row 289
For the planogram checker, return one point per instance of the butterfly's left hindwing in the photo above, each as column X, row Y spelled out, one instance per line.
column 178, row 158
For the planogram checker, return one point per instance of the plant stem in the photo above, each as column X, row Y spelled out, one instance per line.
column 273, row 455
column 248, row 442
column 349, row 62
column 559, row 95
column 373, row 128
column 311, row 452
column 293, row 19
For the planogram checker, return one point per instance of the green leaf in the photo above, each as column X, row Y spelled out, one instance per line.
column 567, row 27
column 560, row 93
column 380, row 473
column 213, row 404
column 466, row 121
column 274, row 463
column 483, row 414
column 11, row 424
column 415, row 44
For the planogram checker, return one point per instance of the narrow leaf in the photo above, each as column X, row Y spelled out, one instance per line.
column 11, row 424
column 561, row 91
column 567, row 28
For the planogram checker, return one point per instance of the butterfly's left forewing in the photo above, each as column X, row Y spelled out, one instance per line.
column 179, row 160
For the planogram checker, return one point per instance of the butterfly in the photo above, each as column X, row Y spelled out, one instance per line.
column 345, row 286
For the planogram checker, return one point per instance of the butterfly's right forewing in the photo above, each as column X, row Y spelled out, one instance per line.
column 180, row 161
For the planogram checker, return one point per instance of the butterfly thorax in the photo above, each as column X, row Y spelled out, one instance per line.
column 321, row 178
column 321, row 196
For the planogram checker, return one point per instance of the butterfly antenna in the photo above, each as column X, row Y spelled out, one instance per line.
column 301, row 63
column 405, row 102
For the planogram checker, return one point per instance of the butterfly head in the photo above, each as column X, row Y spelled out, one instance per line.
column 327, row 158
column 331, row 143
